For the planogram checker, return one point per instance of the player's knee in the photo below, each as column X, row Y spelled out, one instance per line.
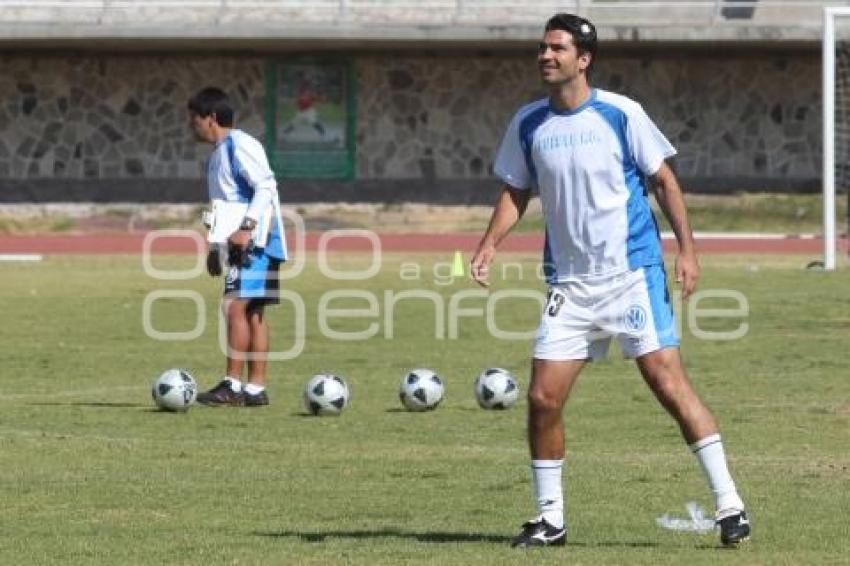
column 667, row 387
column 543, row 401
column 675, row 393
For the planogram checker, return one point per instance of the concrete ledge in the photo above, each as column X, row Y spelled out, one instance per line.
column 731, row 185
column 454, row 191
column 404, row 21
column 179, row 190
column 208, row 37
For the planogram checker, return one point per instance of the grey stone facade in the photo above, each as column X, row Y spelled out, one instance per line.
column 754, row 118
column 101, row 117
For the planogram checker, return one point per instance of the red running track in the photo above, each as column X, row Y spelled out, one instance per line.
column 123, row 243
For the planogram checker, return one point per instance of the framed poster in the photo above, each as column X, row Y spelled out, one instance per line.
column 311, row 118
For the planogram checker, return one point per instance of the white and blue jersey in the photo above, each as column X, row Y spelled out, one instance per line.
column 590, row 168
column 238, row 171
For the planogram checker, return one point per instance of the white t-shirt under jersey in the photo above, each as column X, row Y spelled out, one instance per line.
column 589, row 167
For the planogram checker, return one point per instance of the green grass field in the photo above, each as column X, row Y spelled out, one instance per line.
column 742, row 212
column 91, row 474
column 746, row 212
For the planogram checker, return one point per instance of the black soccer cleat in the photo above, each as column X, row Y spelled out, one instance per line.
column 734, row 528
column 221, row 395
column 538, row 532
column 261, row 399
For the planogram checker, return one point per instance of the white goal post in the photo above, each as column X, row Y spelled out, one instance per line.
column 830, row 59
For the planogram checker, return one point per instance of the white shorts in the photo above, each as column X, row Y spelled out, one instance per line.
column 581, row 317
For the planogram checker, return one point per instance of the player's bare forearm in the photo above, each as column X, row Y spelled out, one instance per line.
column 509, row 208
column 668, row 193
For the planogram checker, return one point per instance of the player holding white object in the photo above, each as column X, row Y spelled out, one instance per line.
column 592, row 155
column 239, row 172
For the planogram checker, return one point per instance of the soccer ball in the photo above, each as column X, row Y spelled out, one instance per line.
column 325, row 394
column 174, row 390
column 496, row 388
column 421, row 390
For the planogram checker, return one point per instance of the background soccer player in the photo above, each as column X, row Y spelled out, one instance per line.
column 306, row 111
column 592, row 155
column 238, row 171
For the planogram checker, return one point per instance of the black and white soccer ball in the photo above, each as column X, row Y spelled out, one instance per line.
column 421, row 390
column 174, row 390
column 326, row 394
column 496, row 388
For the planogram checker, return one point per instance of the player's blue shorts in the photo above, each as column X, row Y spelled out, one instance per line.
column 257, row 280
column 581, row 316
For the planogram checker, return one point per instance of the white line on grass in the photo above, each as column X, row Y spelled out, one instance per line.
column 744, row 236
column 21, row 257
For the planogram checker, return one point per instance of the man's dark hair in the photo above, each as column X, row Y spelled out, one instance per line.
column 583, row 32
column 212, row 101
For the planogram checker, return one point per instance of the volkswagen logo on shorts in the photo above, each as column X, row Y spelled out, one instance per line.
column 635, row 318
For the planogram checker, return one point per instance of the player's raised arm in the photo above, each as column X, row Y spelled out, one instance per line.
column 509, row 209
column 672, row 203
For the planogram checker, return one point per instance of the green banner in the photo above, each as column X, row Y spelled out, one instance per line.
column 311, row 118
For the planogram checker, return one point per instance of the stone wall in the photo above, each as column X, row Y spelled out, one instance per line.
column 753, row 117
column 746, row 118
column 102, row 117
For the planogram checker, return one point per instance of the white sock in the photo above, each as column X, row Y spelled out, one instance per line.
column 548, row 490
column 253, row 389
column 235, row 384
column 712, row 459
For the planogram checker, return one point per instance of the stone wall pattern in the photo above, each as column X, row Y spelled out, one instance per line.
column 745, row 116
column 102, row 117
column 433, row 116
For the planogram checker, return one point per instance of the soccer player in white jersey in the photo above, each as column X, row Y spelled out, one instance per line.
column 592, row 156
column 239, row 171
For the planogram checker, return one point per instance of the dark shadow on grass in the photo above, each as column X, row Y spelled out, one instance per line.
column 312, row 416
column 717, row 546
column 459, row 409
column 438, row 537
column 617, row 544
column 94, row 404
